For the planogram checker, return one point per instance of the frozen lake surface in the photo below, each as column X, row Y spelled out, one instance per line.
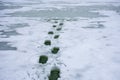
column 84, row 39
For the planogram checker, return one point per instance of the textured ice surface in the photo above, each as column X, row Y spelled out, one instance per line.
column 88, row 41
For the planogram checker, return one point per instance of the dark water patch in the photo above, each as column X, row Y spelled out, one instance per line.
column 96, row 25
column 8, row 5
column 18, row 25
column 71, row 12
column 3, row 7
column 6, row 46
column 1, row 25
column 8, row 33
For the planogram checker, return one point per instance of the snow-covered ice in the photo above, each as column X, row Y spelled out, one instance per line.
column 89, row 39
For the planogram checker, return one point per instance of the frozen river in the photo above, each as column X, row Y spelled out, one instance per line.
column 83, row 39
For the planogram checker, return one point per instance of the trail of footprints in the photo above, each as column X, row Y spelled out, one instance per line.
column 57, row 27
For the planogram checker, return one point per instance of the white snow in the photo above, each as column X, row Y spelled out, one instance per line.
column 89, row 47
